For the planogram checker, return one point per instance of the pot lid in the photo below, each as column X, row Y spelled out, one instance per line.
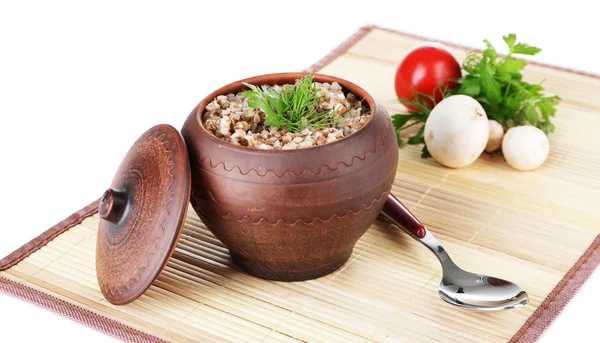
column 142, row 214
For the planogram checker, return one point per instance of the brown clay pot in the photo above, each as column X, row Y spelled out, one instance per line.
column 291, row 214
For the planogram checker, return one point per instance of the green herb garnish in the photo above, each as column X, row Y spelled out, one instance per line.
column 497, row 83
column 294, row 107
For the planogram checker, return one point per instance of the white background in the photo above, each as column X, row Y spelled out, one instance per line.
column 80, row 82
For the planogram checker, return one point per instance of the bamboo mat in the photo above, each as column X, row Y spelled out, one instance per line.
column 538, row 229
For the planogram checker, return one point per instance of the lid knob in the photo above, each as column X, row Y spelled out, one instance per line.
column 112, row 205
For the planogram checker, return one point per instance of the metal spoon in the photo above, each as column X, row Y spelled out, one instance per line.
column 458, row 287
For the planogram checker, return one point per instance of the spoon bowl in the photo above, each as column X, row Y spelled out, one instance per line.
column 489, row 294
column 458, row 287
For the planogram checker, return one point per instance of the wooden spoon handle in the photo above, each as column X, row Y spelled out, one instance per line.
column 401, row 216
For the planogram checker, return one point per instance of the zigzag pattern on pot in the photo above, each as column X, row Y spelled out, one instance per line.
column 361, row 208
column 383, row 136
column 136, row 277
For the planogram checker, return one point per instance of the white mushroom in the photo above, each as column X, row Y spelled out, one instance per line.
column 525, row 147
column 496, row 135
column 456, row 131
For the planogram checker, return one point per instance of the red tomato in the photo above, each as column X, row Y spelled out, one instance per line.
column 423, row 69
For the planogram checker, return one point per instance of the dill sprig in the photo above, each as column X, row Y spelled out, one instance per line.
column 294, row 107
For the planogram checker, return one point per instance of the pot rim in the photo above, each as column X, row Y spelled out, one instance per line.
column 260, row 80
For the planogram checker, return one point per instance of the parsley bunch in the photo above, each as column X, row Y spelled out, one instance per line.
column 497, row 84
column 294, row 107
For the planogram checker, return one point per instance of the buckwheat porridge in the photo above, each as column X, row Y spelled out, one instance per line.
column 231, row 119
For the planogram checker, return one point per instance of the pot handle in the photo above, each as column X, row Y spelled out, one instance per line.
column 398, row 214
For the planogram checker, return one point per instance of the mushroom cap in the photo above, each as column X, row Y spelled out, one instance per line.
column 456, row 131
column 496, row 135
column 525, row 147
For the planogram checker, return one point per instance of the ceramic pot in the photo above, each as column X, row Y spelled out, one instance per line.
column 291, row 214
